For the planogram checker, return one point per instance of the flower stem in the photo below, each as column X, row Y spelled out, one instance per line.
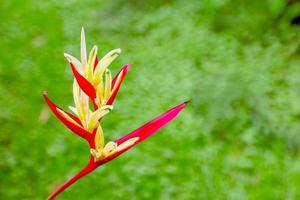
column 86, row 170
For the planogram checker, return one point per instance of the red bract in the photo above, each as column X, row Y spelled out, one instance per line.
column 84, row 84
column 94, row 82
column 73, row 127
column 116, row 83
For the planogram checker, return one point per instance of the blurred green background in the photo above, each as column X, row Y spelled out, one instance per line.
column 238, row 60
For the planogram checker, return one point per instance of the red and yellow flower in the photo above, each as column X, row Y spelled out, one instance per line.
column 93, row 82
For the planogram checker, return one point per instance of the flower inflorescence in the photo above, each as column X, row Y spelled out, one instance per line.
column 93, row 83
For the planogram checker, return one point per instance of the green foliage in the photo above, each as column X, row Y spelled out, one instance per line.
column 236, row 60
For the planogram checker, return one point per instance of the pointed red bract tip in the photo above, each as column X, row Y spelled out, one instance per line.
column 127, row 67
column 74, row 128
column 124, row 71
column 188, row 101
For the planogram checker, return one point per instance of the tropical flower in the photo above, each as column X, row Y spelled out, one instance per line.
column 93, row 82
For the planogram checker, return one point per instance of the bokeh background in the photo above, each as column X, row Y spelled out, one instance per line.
column 238, row 60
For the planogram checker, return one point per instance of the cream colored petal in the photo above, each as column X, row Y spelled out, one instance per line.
column 93, row 152
column 67, row 117
column 109, row 147
column 90, row 66
column 73, row 109
column 100, row 93
column 95, row 116
column 97, row 154
column 75, row 61
column 83, row 49
column 103, row 64
column 84, row 104
column 107, row 84
column 127, row 143
column 77, row 100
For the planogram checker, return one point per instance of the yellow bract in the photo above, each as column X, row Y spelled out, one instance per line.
column 94, row 117
column 99, row 138
column 90, row 66
column 103, row 64
column 107, row 84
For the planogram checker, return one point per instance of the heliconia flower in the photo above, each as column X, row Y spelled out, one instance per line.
column 94, row 77
column 93, row 81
